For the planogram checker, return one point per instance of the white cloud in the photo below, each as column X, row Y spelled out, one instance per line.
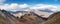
column 17, row 7
column 45, row 6
column 23, row 6
column 13, row 7
column 4, row 6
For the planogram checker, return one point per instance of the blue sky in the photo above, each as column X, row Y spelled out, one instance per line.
column 33, row 1
column 16, row 5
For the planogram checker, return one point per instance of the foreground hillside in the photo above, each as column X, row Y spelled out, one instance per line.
column 31, row 18
column 54, row 19
column 3, row 20
column 7, row 18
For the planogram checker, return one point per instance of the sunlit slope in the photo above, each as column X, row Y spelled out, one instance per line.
column 42, row 14
column 54, row 19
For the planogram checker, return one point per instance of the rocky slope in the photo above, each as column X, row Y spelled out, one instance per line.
column 30, row 18
column 9, row 19
column 54, row 19
column 3, row 20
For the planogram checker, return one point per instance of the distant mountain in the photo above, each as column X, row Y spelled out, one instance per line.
column 44, row 13
column 17, row 12
column 46, row 10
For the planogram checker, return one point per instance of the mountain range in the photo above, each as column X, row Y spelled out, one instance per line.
column 44, row 13
column 28, row 18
